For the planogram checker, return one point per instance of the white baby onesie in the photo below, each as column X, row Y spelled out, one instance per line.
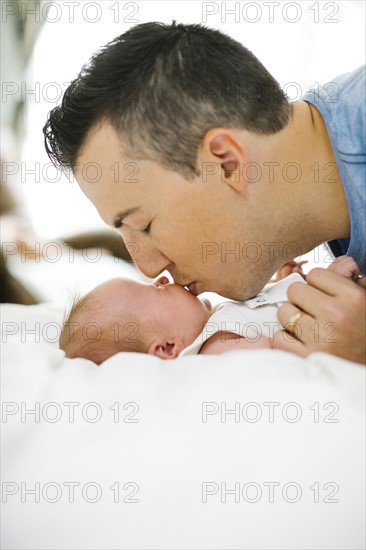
column 251, row 319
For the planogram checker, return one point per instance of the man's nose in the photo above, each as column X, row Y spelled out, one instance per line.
column 148, row 259
column 151, row 263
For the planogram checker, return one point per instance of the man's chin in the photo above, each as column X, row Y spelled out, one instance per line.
column 238, row 295
column 236, row 292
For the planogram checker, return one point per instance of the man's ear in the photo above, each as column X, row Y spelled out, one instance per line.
column 225, row 148
column 166, row 348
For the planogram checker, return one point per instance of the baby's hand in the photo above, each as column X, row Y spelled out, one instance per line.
column 288, row 268
column 347, row 267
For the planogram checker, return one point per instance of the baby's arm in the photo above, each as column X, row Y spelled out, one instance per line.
column 222, row 342
column 288, row 268
column 343, row 265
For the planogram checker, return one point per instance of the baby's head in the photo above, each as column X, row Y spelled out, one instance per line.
column 124, row 315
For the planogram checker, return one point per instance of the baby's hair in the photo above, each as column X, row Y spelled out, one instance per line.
column 76, row 306
column 76, row 343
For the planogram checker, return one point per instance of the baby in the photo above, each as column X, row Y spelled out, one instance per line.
column 167, row 320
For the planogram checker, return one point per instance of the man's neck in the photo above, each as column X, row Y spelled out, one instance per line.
column 331, row 197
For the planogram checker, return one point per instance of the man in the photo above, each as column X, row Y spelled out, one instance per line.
column 187, row 145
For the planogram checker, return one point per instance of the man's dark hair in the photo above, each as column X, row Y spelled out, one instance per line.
column 162, row 87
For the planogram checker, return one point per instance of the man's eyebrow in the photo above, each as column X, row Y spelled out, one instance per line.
column 118, row 219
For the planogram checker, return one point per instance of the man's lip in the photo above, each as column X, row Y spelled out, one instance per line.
column 192, row 287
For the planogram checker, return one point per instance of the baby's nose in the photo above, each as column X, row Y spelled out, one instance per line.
column 161, row 281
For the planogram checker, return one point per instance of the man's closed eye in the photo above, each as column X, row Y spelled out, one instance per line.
column 147, row 229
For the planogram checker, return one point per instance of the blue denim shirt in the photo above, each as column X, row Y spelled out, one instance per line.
column 342, row 104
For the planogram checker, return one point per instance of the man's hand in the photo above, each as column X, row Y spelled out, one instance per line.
column 332, row 319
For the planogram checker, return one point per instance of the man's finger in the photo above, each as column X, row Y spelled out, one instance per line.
column 329, row 282
column 286, row 342
column 307, row 298
column 296, row 322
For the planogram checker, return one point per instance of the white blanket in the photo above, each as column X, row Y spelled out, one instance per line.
column 249, row 450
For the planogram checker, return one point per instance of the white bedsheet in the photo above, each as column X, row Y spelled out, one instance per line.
column 172, row 468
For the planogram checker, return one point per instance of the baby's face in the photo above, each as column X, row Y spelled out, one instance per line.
column 164, row 309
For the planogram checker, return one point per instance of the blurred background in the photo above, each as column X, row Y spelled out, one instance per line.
column 44, row 45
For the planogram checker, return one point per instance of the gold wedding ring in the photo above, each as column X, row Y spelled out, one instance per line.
column 293, row 321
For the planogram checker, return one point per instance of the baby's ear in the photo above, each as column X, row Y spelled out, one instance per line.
column 166, row 349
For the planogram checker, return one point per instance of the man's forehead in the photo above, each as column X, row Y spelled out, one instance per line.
column 114, row 199
column 102, row 137
column 102, row 156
